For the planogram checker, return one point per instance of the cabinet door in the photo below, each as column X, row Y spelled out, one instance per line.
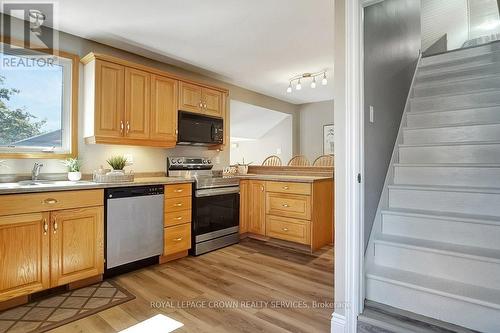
column 77, row 250
column 163, row 108
column 137, row 103
column 24, row 254
column 109, row 99
column 244, row 206
column 212, row 102
column 257, row 207
column 190, row 97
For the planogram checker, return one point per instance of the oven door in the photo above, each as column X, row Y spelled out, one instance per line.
column 216, row 212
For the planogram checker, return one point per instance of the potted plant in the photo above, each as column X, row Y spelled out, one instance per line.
column 117, row 163
column 74, row 165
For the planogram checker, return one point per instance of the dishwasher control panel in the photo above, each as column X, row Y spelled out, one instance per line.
column 134, row 191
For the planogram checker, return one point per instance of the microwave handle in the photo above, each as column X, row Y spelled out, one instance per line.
column 212, row 132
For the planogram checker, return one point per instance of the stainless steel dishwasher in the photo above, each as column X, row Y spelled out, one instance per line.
column 134, row 227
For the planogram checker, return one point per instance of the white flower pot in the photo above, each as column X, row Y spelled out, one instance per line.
column 74, row 176
column 242, row 169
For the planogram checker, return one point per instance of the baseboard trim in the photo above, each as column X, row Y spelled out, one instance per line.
column 338, row 323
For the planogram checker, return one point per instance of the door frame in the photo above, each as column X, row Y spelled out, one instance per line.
column 354, row 274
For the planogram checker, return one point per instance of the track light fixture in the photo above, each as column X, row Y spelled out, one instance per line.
column 300, row 77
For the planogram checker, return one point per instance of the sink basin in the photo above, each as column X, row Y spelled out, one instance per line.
column 34, row 182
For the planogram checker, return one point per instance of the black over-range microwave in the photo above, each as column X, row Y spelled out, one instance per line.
column 196, row 129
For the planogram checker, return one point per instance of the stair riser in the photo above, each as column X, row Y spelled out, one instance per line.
column 442, row 201
column 465, row 74
column 447, row 176
column 465, row 270
column 455, row 102
column 461, row 64
column 468, row 116
column 452, row 134
column 442, row 230
column 473, row 316
column 462, row 55
column 458, row 87
column 488, row 153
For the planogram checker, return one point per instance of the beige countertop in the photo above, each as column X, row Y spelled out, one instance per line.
column 11, row 188
column 284, row 178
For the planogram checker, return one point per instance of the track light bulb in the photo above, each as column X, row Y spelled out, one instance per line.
column 289, row 89
column 298, row 86
column 324, row 81
column 313, row 83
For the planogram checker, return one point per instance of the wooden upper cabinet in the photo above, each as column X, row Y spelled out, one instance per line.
column 132, row 104
column 212, row 102
column 77, row 244
column 164, row 93
column 257, row 223
column 137, row 103
column 109, row 99
column 190, row 97
column 24, row 254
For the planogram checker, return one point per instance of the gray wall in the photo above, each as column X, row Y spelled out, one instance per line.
column 391, row 49
column 312, row 118
column 145, row 159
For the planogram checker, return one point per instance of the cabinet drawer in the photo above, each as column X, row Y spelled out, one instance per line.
column 177, row 238
column 177, row 204
column 49, row 201
column 289, row 187
column 288, row 205
column 177, row 190
column 293, row 230
column 175, row 218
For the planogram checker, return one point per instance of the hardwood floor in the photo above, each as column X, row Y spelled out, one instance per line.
column 192, row 290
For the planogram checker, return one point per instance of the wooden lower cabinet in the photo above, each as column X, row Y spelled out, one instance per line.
column 177, row 239
column 291, row 211
column 177, row 221
column 24, row 257
column 77, row 247
column 257, row 207
column 41, row 250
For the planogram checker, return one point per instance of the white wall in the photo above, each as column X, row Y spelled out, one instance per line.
column 312, row 118
column 279, row 138
column 444, row 17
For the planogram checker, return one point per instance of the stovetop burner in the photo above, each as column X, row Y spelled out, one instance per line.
column 199, row 169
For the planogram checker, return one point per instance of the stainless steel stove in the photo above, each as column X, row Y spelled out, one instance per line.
column 216, row 203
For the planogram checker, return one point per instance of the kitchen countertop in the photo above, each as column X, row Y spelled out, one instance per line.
column 58, row 185
column 284, row 178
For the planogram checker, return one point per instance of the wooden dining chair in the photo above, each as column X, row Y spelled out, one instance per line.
column 299, row 160
column 324, row 161
column 272, row 160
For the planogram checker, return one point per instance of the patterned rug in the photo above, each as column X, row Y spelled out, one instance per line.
column 57, row 310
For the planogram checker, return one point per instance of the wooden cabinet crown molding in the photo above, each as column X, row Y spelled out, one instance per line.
column 93, row 56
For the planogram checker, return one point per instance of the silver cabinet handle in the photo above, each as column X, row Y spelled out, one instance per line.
column 177, row 239
column 54, row 225
column 285, row 205
column 50, row 201
column 179, row 190
column 285, row 187
column 178, row 218
column 128, row 127
column 285, row 229
column 178, row 205
column 121, row 126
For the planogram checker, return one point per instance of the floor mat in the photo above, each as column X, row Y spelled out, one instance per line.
column 57, row 310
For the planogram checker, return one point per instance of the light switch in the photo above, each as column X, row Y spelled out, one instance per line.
column 371, row 114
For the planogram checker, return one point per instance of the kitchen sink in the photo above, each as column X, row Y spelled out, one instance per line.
column 34, row 182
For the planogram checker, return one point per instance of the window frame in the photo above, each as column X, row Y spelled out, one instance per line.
column 73, row 105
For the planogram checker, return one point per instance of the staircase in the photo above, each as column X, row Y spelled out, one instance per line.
column 435, row 245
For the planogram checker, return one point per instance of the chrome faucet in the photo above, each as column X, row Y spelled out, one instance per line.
column 36, row 171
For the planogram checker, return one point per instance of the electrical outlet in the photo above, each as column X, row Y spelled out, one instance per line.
column 130, row 159
column 371, row 114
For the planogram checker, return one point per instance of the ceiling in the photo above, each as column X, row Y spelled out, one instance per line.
column 255, row 44
column 250, row 122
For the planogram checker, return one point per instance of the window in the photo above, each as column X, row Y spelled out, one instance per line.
column 37, row 109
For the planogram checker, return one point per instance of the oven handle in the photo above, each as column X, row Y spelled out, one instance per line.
column 216, row 191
